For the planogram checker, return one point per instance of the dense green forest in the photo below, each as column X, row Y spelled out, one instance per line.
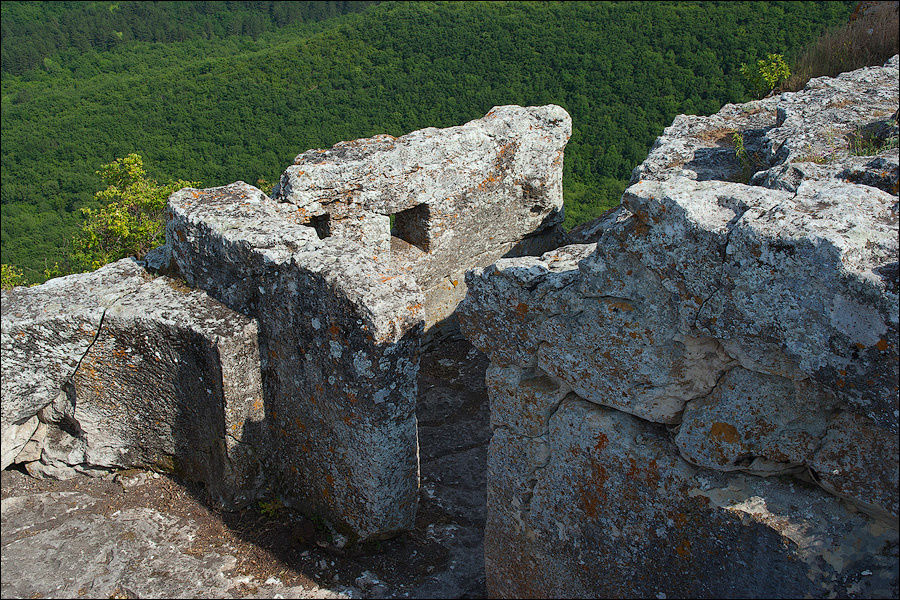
column 220, row 91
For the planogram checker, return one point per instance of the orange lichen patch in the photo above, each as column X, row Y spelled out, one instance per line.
column 414, row 306
column 652, row 474
column 680, row 520
column 882, row 345
column 860, row 346
column 334, row 331
column 299, row 424
column 684, row 549
column 621, row 305
column 352, row 398
column 593, row 494
column 641, row 228
column 602, row 441
column 386, row 278
column 507, row 148
column 521, row 310
column 724, row 432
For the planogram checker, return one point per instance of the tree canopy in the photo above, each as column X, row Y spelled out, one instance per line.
column 221, row 103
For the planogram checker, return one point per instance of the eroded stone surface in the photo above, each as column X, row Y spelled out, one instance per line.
column 442, row 187
column 603, row 505
column 342, row 299
column 46, row 331
column 758, row 322
column 339, row 336
column 170, row 380
column 136, row 553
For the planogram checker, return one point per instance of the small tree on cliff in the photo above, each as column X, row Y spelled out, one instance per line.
column 766, row 74
column 10, row 277
column 130, row 222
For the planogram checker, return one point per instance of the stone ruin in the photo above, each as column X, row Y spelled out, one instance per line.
column 697, row 396
column 700, row 399
column 281, row 355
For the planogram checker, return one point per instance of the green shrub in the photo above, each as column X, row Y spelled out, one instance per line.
column 10, row 277
column 766, row 74
column 130, row 222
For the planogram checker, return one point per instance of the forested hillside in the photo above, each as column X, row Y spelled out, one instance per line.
column 227, row 103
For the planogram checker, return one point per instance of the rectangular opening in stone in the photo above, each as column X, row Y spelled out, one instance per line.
column 413, row 226
column 322, row 225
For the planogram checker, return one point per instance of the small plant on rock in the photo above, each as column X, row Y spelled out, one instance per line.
column 130, row 221
column 270, row 508
column 750, row 162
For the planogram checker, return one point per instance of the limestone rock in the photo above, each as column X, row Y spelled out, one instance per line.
column 61, row 545
column 857, row 460
column 759, row 423
column 822, row 132
column 821, row 120
column 441, row 186
column 603, row 506
column 46, row 331
column 753, row 329
column 15, row 437
column 169, row 380
column 339, row 336
column 173, row 383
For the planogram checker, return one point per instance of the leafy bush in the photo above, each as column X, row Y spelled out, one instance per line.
column 766, row 74
column 130, row 222
column 10, row 277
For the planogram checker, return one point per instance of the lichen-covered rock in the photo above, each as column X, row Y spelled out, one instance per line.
column 602, row 505
column 46, row 331
column 339, row 337
column 752, row 329
column 857, row 460
column 170, row 380
column 842, row 128
column 441, row 187
column 173, row 383
column 763, row 424
column 785, row 281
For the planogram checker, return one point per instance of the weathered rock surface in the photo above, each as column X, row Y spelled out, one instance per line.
column 339, row 336
column 442, row 187
column 708, row 330
column 169, row 380
column 310, row 386
column 46, row 331
column 132, row 553
column 149, row 535
column 842, row 128
column 602, row 505
column 342, row 300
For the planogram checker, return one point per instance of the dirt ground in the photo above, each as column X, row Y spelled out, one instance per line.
column 279, row 553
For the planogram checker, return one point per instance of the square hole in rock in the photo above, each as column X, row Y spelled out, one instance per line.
column 413, row 226
column 322, row 225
